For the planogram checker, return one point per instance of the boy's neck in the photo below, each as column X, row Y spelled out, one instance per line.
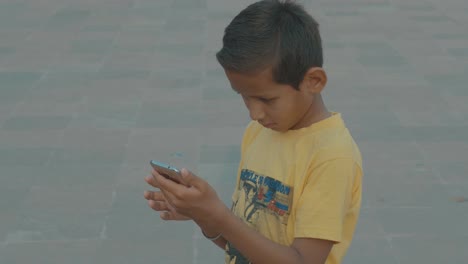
column 317, row 112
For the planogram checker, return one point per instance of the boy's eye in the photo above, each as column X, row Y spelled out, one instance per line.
column 266, row 100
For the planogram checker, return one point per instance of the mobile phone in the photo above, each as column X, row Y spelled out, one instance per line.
column 167, row 171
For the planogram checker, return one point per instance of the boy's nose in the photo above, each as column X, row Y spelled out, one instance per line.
column 256, row 112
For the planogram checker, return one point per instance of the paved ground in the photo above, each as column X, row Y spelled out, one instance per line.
column 90, row 90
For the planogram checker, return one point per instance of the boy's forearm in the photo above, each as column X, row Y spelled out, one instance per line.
column 220, row 242
column 254, row 246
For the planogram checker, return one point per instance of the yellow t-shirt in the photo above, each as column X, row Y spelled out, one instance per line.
column 303, row 183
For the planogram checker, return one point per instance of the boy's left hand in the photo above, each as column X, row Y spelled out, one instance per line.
column 195, row 198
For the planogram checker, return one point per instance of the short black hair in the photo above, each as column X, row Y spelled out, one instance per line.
column 274, row 34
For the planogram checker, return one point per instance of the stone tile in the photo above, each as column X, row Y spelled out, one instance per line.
column 25, row 156
column 67, row 199
column 159, row 115
column 161, row 144
column 367, row 118
column 450, row 36
column 31, row 138
column 379, row 152
column 88, row 156
column 370, row 250
column 6, row 51
column 8, row 220
column 220, row 154
column 188, row 25
column 92, row 45
column 192, row 4
column 454, row 172
column 369, row 226
column 439, row 64
column 207, row 252
column 342, row 13
column 218, row 90
column 395, row 76
column 420, row 133
column 50, row 252
column 11, row 37
column 158, row 250
column 458, row 52
column 180, row 49
column 101, row 28
column 222, row 176
column 452, row 83
column 424, row 7
column 41, row 123
column 410, row 195
column 216, row 113
column 130, row 41
column 424, row 221
column 75, row 83
column 429, row 18
column 60, row 175
column 95, row 138
column 430, row 249
column 68, row 16
column 395, row 171
column 131, row 175
column 457, row 105
column 226, row 135
column 167, row 85
column 61, row 213
column 130, row 207
column 119, row 112
column 127, row 60
column 18, row 80
column 76, row 62
column 449, row 150
column 6, row 110
column 12, row 197
column 418, row 46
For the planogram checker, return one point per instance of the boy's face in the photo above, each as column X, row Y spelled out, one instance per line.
column 276, row 106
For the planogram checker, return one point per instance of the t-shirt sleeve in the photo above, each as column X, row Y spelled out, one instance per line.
column 325, row 200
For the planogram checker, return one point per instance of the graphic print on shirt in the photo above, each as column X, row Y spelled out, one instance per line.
column 258, row 196
column 262, row 194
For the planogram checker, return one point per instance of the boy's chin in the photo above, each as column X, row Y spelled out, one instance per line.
column 277, row 128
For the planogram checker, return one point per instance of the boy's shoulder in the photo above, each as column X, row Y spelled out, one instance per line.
column 332, row 141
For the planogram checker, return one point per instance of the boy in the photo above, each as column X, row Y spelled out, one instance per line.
column 298, row 191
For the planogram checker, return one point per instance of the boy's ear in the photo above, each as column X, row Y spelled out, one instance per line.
column 315, row 80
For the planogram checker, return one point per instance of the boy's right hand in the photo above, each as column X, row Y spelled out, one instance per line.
column 157, row 202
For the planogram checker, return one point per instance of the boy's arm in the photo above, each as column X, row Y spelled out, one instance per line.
column 259, row 249
column 210, row 233
column 220, row 242
column 200, row 202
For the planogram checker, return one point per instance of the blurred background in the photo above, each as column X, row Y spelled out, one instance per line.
column 91, row 90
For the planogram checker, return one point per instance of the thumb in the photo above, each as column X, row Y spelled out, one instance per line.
column 190, row 179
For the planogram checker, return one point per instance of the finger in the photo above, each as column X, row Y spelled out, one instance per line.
column 151, row 180
column 167, row 216
column 170, row 189
column 191, row 179
column 172, row 216
column 169, row 199
column 158, row 206
column 156, row 196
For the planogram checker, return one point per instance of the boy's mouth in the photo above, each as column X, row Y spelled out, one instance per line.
column 269, row 125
